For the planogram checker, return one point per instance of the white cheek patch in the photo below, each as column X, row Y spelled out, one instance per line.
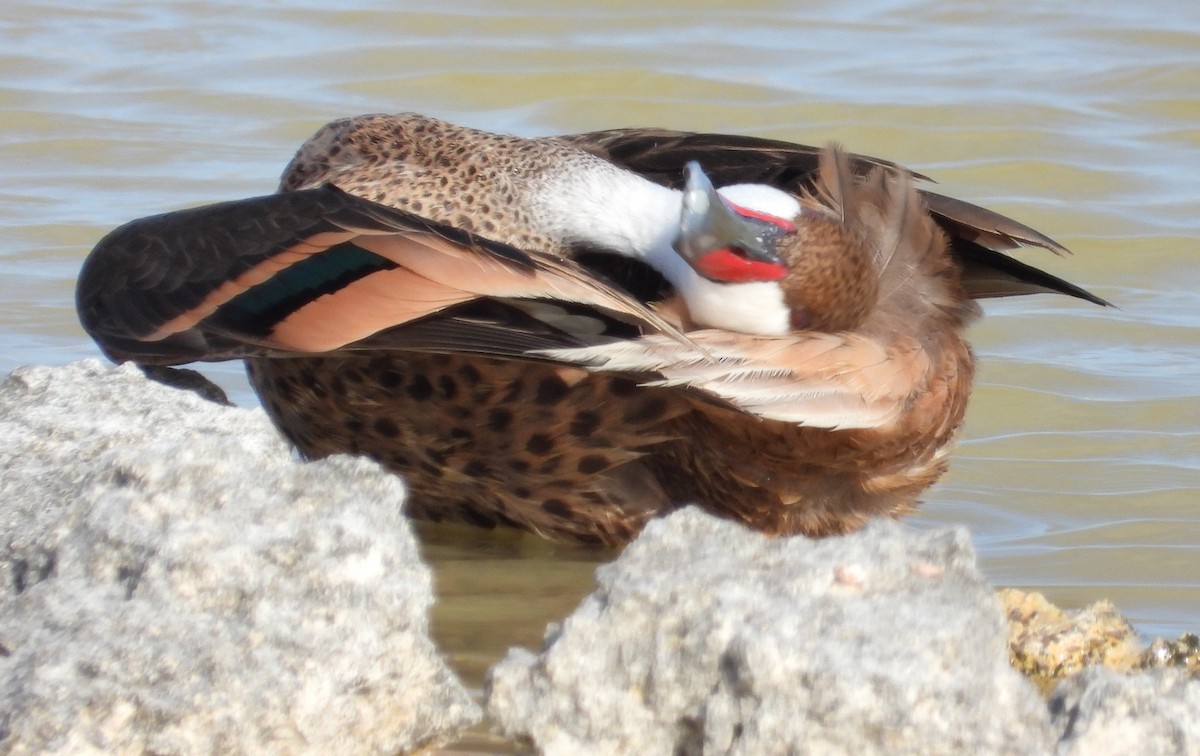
column 763, row 198
column 752, row 308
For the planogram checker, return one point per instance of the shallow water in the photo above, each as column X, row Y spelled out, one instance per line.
column 1080, row 471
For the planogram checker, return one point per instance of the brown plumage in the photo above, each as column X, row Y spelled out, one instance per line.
column 869, row 394
column 493, row 332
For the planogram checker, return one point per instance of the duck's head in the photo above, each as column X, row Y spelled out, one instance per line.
column 726, row 242
column 754, row 234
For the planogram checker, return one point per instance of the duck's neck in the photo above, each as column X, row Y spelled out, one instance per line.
column 596, row 204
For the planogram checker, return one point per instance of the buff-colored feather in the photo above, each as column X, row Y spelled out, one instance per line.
column 814, row 379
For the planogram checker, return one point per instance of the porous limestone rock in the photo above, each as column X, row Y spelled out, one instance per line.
column 705, row 637
column 175, row 581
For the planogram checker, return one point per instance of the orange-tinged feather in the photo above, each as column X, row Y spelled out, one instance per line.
column 381, row 300
column 487, row 275
column 452, row 265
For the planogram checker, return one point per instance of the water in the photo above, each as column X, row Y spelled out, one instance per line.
column 1080, row 470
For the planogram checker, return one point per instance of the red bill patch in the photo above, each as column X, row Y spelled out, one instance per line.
column 726, row 265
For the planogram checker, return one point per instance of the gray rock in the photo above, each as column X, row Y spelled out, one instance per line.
column 175, row 582
column 1102, row 712
column 705, row 637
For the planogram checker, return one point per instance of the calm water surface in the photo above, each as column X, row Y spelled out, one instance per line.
column 1080, row 470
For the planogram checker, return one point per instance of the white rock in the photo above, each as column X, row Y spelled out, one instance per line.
column 176, row 582
column 705, row 637
column 1101, row 713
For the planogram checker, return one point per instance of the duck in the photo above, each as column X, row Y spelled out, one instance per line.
column 574, row 334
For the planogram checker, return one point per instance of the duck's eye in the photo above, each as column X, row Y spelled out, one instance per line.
column 800, row 319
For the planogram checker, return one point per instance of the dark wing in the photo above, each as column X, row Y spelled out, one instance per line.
column 979, row 237
column 320, row 270
column 505, row 328
column 660, row 154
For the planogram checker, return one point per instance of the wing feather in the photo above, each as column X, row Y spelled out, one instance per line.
column 307, row 271
column 815, row 379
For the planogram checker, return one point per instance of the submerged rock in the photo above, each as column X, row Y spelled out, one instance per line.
column 705, row 637
column 175, row 582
